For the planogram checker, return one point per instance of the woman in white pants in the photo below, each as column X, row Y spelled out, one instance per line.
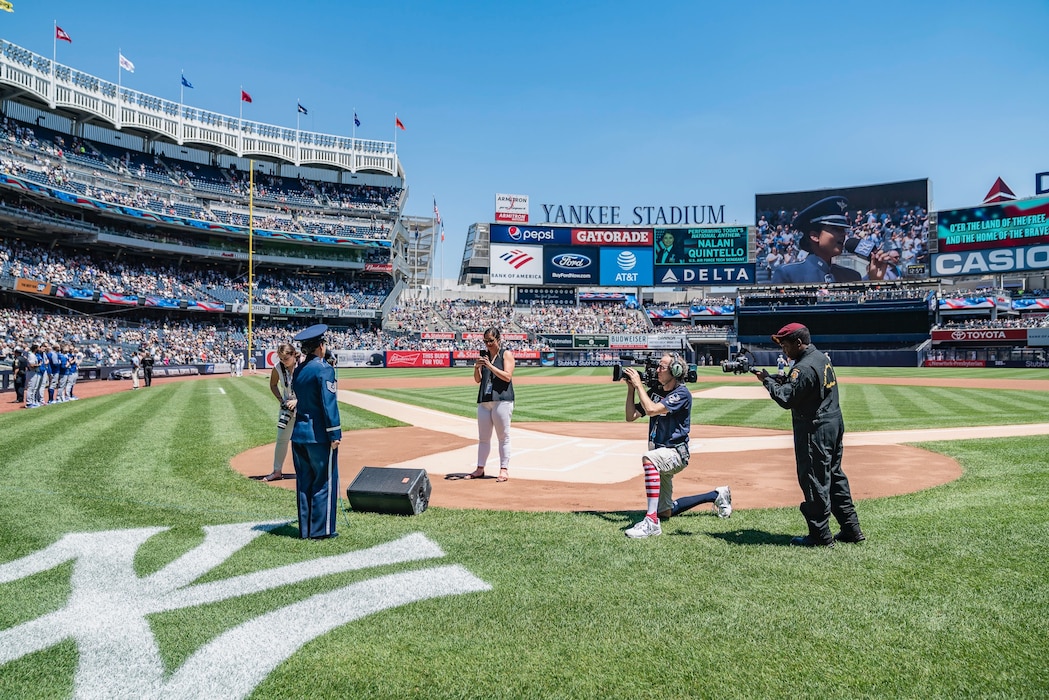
column 280, row 387
column 494, row 372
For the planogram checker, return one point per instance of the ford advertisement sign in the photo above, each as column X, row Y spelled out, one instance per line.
column 570, row 266
column 530, row 235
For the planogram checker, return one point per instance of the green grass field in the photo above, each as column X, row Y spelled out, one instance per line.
column 947, row 599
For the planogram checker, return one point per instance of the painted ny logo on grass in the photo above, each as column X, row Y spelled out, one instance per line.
column 107, row 608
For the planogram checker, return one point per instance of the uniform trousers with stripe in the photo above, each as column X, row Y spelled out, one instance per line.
column 317, row 488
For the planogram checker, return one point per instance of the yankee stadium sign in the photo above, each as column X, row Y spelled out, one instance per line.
column 644, row 215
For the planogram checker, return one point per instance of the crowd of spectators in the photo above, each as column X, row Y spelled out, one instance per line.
column 283, row 205
column 86, row 270
column 1038, row 320
column 585, row 318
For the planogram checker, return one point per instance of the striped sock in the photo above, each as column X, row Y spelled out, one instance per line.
column 651, row 490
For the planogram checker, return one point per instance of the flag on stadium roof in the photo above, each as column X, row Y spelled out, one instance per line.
column 186, row 83
column 60, row 34
column 400, row 124
column 125, row 64
column 356, row 121
column 244, row 97
column 6, row 6
column 302, row 109
column 437, row 213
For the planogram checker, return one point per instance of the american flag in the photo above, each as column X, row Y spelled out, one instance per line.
column 437, row 213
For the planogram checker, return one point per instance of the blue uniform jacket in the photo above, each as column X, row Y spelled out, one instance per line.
column 813, row 270
column 317, row 412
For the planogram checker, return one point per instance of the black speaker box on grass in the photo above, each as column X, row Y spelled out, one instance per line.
column 390, row 490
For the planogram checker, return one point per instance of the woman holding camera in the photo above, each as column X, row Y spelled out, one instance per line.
column 494, row 372
column 280, row 387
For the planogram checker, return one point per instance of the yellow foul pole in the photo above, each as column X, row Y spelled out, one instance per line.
column 251, row 248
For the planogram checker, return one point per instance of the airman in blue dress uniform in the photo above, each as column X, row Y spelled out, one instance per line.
column 315, row 438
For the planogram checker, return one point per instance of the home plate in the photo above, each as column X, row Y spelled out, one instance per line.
column 734, row 392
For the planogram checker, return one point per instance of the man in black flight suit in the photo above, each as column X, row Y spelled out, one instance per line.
column 810, row 391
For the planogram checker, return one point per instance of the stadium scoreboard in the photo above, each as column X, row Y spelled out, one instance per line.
column 703, row 246
column 546, row 255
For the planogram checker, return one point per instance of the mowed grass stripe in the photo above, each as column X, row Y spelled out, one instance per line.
column 865, row 407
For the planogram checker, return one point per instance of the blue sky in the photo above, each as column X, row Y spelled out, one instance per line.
column 607, row 103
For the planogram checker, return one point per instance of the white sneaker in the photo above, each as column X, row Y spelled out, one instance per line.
column 723, row 503
column 645, row 528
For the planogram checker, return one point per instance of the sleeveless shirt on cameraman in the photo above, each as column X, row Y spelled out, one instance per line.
column 671, row 428
column 811, row 396
column 501, row 390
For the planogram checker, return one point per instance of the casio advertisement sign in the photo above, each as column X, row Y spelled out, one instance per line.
column 570, row 266
column 529, row 235
column 626, row 267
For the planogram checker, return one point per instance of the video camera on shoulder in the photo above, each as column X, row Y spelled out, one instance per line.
column 740, row 364
column 650, row 373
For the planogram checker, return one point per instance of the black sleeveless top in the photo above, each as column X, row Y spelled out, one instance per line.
column 493, row 388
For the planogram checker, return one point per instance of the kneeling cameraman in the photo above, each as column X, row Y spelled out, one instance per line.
column 669, row 411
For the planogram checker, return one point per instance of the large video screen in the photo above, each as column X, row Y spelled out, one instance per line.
column 892, row 217
column 994, row 238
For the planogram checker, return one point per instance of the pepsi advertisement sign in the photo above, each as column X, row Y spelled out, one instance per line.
column 570, row 266
column 524, row 234
column 626, row 267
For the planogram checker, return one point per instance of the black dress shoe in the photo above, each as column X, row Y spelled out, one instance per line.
column 807, row 541
column 854, row 537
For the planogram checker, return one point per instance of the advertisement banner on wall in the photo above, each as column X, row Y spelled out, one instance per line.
column 529, row 235
column 667, row 341
column 417, row 358
column 1038, row 337
column 612, row 236
column 571, row 266
column 32, row 286
column 516, row 264
column 984, row 262
column 628, row 341
column 478, row 336
column 630, row 267
column 587, row 342
column 359, row 358
column 704, row 275
column 981, row 336
column 558, row 296
column 511, row 207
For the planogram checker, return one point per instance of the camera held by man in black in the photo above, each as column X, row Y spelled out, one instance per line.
column 740, row 364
